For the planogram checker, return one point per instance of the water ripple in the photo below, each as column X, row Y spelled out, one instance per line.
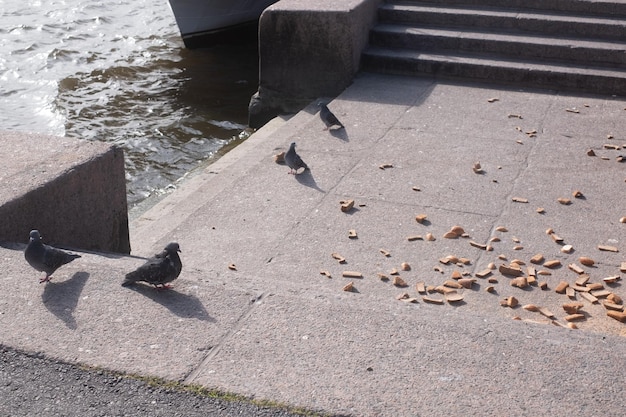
column 117, row 71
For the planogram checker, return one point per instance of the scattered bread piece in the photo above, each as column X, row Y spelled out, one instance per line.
column 519, row 282
column 574, row 317
column 338, row 257
column 554, row 263
column 544, row 311
column 478, row 245
column 601, row 293
column 509, row 302
column 589, row 297
column 582, row 279
column 452, row 284
column 614, row 298
column 484, row 273
column 573, row 307
column 612, row 306
column 431, row 300
column 467, row 282
column 454, row 298
column 346, row 205
column 421, row 218
column 564, row 201
column 399, row 282
column 586, row 261
column 279, row 158
column 576, row 268
column 617, row 315
column 511, row 270
column 561, row 287
column 537, row 259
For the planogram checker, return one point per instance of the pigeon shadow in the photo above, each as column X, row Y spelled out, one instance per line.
column 61, row 298
column 181, row 305
column 306, row 178
column 340, row 133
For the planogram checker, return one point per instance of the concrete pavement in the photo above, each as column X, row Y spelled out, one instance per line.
column 273, row 327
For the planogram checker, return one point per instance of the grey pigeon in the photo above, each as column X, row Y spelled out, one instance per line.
column 293, row 160
column 45, row 258
column 329, row 118
column 159, row 270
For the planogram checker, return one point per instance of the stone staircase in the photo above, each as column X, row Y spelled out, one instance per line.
column 575, row 45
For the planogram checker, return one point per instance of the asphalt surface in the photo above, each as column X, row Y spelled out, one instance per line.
column 33, row 385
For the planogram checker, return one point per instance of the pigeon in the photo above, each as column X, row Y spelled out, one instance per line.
column 329, row 118
column 293, row 160
column 45, row 258
column 159, row 270
column 172, row 249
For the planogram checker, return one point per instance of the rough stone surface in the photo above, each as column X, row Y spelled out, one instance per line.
column 73, row 191
column 251, row 313
column 308, row 50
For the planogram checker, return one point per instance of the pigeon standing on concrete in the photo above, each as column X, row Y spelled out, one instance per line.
column 329, row 118
column 293, row 160
column 45, row 258
column 160, row 270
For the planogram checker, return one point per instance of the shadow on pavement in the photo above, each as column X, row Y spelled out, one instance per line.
column 340, row 134
column 61, row 298
column 182, row 305
column 306, row 178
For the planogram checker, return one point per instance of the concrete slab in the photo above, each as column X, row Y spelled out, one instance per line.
column 361, row 358
column 84, row 315
column 73, row 191
column 273, row 327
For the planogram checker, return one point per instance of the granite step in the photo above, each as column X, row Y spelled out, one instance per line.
column 483, row 67
column 573, row 45
column 607, row 26
column 514, row 45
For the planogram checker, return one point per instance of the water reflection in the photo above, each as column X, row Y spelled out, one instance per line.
column 168, row 116
column 117, row 71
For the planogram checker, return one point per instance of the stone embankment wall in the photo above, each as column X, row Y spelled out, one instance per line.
column 308, row 50
column 73, row 191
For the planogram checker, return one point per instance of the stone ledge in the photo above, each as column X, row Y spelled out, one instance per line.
column 307, row 51
column 73, row 191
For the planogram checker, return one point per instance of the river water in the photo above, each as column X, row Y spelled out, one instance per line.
column 117, row 71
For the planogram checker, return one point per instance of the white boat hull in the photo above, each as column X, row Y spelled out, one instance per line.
column 200, row 19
